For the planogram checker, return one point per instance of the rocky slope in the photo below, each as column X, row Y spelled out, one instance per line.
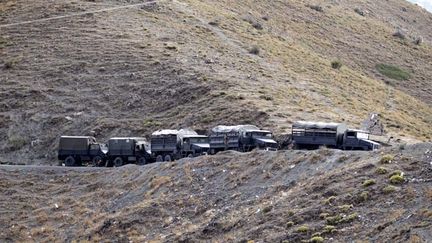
column 286, row 196
column 169, row 64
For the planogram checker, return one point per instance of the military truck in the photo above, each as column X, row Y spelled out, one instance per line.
column 167, row 145
column 312, row 135
column 79, row 150
column 358, row 140
column 125, row 150
column 242, row 138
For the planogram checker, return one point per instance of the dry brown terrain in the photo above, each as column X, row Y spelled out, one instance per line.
column 173, row 64
column 287, row 196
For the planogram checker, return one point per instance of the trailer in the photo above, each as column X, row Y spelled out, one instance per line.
column 126, row 150
column 79, row 150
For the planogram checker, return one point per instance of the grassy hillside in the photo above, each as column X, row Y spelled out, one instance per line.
column 201, row 63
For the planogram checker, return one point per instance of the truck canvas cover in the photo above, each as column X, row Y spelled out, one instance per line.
column 76, row 142
column 234, row 129
column 179, row 133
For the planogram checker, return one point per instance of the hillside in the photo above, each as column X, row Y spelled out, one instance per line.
column 285, row 196
column 170, row 64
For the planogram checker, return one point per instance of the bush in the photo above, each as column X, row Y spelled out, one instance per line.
column 393, row 72
column 317, row 239
column 336, row 64
column 396, row 172
column 381, row 170
column 329, row 229
column 369, row 182
column 389, row 189
column 303, row 229
column 397, row 179
column 254, row 50
column 387, row 159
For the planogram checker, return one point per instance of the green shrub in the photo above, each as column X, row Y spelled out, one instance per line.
column 397, row 179
column 345, row 208
column 303, row 229
column 387, row 159
column 336, row 64
column 396, row 172
column 381, row 170
column 389, row 189
column 329, row 229
column 339, row 219
column 369, row 182
column 317, row 239
column 393, row 72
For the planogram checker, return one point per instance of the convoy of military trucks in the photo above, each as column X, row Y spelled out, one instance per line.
column 169, row 145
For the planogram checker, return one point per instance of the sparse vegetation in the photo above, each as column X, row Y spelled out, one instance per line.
column 336, row 64
column 369, row 182
column 387, row 159
column 329, row 229
column 397, row 179
column 396, row 172
column 393, row 72
column 389, row 189
column 345, row 208
column 303, row 229
column 316, row 239
column 381, row 170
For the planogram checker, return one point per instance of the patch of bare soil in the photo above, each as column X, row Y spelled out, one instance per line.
column 231, row 197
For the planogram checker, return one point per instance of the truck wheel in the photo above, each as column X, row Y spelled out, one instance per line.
column 69, row 161
column 159, row 158
column 142, row 161
column 97, row 161
column 190, row 156
column 118, row 162
column 167, row 158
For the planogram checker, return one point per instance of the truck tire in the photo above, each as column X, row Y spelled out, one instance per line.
column 118, row 162
column 159, row 158
column 97, row 161
column 190, row 155
column 70, row 161
column 168, row 158
column 142, row 161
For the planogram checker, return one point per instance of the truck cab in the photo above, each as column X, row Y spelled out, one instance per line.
column 194, row 145
column 358, row 140
column 125, row 150
column 260, row 139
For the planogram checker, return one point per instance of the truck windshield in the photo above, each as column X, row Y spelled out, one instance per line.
column 199, row 140
column 261, row 135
